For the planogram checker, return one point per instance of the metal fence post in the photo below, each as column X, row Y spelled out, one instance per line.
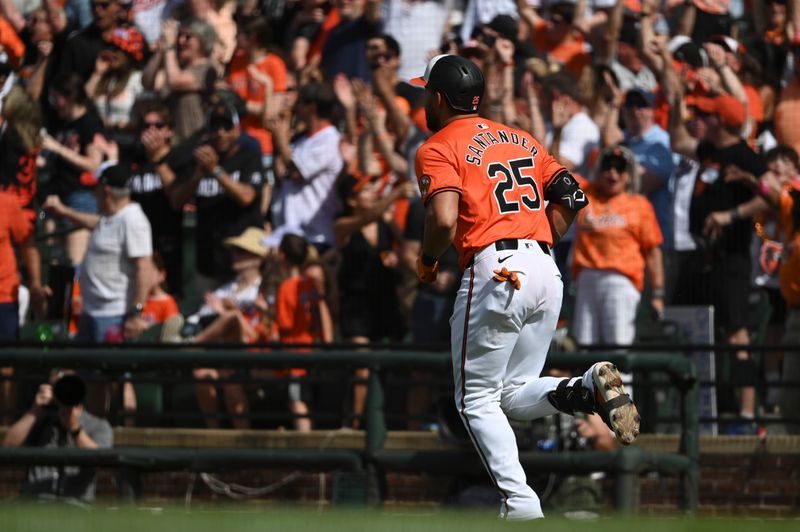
column 690, row 440
column 629, row 463
column 375, row 436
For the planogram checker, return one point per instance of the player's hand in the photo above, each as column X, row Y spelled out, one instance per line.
column 427, row 274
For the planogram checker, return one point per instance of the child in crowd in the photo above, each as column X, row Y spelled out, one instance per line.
column 302, row 317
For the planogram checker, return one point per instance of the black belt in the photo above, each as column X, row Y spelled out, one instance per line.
column 510, row 244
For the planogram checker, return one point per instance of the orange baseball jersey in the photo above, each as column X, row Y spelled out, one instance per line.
column 500, row 172
column 614, row 234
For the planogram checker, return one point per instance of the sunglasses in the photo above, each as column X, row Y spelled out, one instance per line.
column 157, row 125
column 613, row 163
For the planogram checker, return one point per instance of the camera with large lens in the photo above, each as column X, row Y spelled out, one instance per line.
column 69, row 390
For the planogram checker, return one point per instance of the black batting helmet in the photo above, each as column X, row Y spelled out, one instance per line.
column 457, row 78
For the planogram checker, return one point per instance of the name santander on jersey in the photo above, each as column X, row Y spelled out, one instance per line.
column 484, row 139
column 501, row 175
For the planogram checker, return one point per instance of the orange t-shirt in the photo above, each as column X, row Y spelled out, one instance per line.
column 159, row 310
column 11, row 43
column 501, row 174
column 297, row 313
column 615, row 234
column 251, row 90
column 787, row 126
column 14, row 229
column 571, row 53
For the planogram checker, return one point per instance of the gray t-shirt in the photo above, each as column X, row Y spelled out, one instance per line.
column 107, row 273
column 67, row 481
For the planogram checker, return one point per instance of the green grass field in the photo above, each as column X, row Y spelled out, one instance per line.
column 45, row 518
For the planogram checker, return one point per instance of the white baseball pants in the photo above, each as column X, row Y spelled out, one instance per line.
column 605, row 308
column 500, row 338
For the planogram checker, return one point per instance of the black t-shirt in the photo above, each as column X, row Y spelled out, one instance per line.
column 367, row 288
column 75, row 135
column 148, row 191
column 80, row 52
column 712, row 194
column 219, row 216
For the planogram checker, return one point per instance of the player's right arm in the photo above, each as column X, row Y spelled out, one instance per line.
column 440, row 223
column 440, row 188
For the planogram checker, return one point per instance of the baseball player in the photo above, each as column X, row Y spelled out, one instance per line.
column 503, row 201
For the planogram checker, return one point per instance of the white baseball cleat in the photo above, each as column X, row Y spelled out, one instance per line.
column 613, row 404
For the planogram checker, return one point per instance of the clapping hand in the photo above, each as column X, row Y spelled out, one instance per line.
column 344, row 91
column 206, row 157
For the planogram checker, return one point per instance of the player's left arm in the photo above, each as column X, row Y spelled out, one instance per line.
column 565, row 198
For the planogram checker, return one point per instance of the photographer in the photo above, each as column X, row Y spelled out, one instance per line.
column 57, row 420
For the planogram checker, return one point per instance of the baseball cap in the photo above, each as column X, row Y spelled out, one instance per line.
column 622, row 154
column 731, row 111
column 729, row 43
column 685, row 50
column 457, row 78
column 637, row 97
column 222, row 115
column 505, row 25
column 115, row 176
column 129, row 40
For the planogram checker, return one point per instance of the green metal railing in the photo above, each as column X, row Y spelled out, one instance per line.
column 626, row 463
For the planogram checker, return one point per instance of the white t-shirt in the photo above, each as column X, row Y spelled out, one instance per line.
column 419, row 27
column 579, row 137
column 107, row 275
column 310, row 203
column 117, row 110
column 245, row 298
column 685, row 177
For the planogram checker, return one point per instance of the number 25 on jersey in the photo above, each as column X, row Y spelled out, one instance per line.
column 510, row 177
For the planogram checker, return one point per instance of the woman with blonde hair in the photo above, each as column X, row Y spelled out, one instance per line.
column 20, row 144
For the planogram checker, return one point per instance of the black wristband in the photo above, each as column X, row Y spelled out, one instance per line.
column 427, row 260
column 75, row 433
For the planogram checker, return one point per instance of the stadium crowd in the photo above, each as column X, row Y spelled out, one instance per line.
column 288, row 129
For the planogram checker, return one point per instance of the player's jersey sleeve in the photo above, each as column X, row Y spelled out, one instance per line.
column 436, row 171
